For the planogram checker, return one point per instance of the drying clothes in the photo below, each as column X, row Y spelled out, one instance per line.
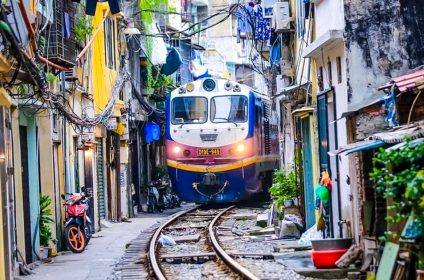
column 91, row 7
column 67, row 20
column 263, row 25
column 245, row 19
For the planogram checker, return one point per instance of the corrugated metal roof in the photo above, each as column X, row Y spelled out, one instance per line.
column 398, row 134
column 407, row 82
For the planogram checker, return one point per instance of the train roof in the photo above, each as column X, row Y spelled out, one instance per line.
column 211, row 85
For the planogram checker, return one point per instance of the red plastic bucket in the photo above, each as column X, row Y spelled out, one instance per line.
column 326, row 259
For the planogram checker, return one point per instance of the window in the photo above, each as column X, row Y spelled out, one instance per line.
column 330, row 74
column 300, row 19
column 339, row 69
column 321, row 79
column 322, row 131
column 109, row 38
column 187, row 110
column 229, row 109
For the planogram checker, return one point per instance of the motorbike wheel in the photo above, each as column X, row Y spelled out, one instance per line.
column 75, row 238
column 152, row 204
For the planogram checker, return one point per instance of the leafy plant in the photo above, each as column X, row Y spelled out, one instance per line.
column 148, row 9
column 45, row 220
column 51, row 77
column 83, row 28
column 399, row 176
column 284, row 186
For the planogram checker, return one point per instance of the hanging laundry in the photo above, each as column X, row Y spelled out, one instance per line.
column 67, row 26
column 245, row 19
column 263, row 25
column 91, row 7
column 275, row 52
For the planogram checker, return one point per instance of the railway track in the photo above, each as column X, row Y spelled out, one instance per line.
column 197, row 253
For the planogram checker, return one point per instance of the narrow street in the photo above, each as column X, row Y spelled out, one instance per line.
column 102, row 254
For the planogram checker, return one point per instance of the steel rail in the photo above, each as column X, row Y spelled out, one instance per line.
column 234, row 265
column 152, row 248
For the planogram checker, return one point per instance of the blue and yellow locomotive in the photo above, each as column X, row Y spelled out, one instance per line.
column 221, row 142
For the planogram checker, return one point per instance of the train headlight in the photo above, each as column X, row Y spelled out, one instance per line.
column 186, row 153
column 209, row 84
column 181, row 90
column 190, row 87
column 241, row 148
column 177, row 150
column 228, row 85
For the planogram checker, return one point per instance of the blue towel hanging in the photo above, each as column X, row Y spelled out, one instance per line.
column 173, row 62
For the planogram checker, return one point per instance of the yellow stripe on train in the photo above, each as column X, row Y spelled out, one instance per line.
column 219, row 167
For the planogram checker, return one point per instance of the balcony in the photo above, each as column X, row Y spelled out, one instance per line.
column 327, row 41
column 60, row 44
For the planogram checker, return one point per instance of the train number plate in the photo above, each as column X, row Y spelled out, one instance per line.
column 208, row 152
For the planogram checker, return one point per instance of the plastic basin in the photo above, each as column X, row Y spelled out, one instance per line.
column 331, row 244
column 326, row 259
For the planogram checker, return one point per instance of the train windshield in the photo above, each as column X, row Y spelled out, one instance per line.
column 229, row 109
column 189, row 110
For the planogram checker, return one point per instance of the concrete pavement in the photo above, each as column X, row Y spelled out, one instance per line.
column 102, row 253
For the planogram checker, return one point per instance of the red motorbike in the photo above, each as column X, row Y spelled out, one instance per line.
column 78, row 226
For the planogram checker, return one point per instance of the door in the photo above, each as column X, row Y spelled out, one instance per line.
column 100, row 180
column 25, row 188
column 308, row 183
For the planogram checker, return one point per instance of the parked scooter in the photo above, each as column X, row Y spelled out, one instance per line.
column 78, row 226
column 160, row 196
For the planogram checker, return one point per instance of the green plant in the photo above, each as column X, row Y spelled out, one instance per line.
column 45, row 220
column 285, row 186
column 399, row 176
column 51, row 77
column 148, row 9
column 83, row 28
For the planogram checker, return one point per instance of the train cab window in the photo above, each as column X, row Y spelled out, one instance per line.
column 186, row 110
column 229, row 109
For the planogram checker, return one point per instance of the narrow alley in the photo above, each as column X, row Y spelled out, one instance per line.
column 211, row 139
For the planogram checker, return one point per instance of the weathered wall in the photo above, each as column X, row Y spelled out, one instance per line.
column 367, row 124
column 384, row 40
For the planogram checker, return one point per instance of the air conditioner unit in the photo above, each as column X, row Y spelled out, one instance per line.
column 281, row 82
column 282, row 16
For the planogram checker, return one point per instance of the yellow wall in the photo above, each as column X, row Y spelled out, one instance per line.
column 46, row 168
column 103, row 78
column 17, row 174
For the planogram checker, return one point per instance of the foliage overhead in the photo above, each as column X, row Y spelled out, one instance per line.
column 83, row 28
column 148, row 8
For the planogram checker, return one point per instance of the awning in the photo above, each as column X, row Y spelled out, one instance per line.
column 407, row 82
column 289, row 89
column 352, row 112
column 303, row 110
column 357, row 147
column 398, row 134
column 412, row 143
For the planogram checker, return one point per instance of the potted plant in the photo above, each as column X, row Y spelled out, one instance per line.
column 284, row 188
column 44, row 222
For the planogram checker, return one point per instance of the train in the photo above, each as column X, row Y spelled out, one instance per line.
column 221, row 142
